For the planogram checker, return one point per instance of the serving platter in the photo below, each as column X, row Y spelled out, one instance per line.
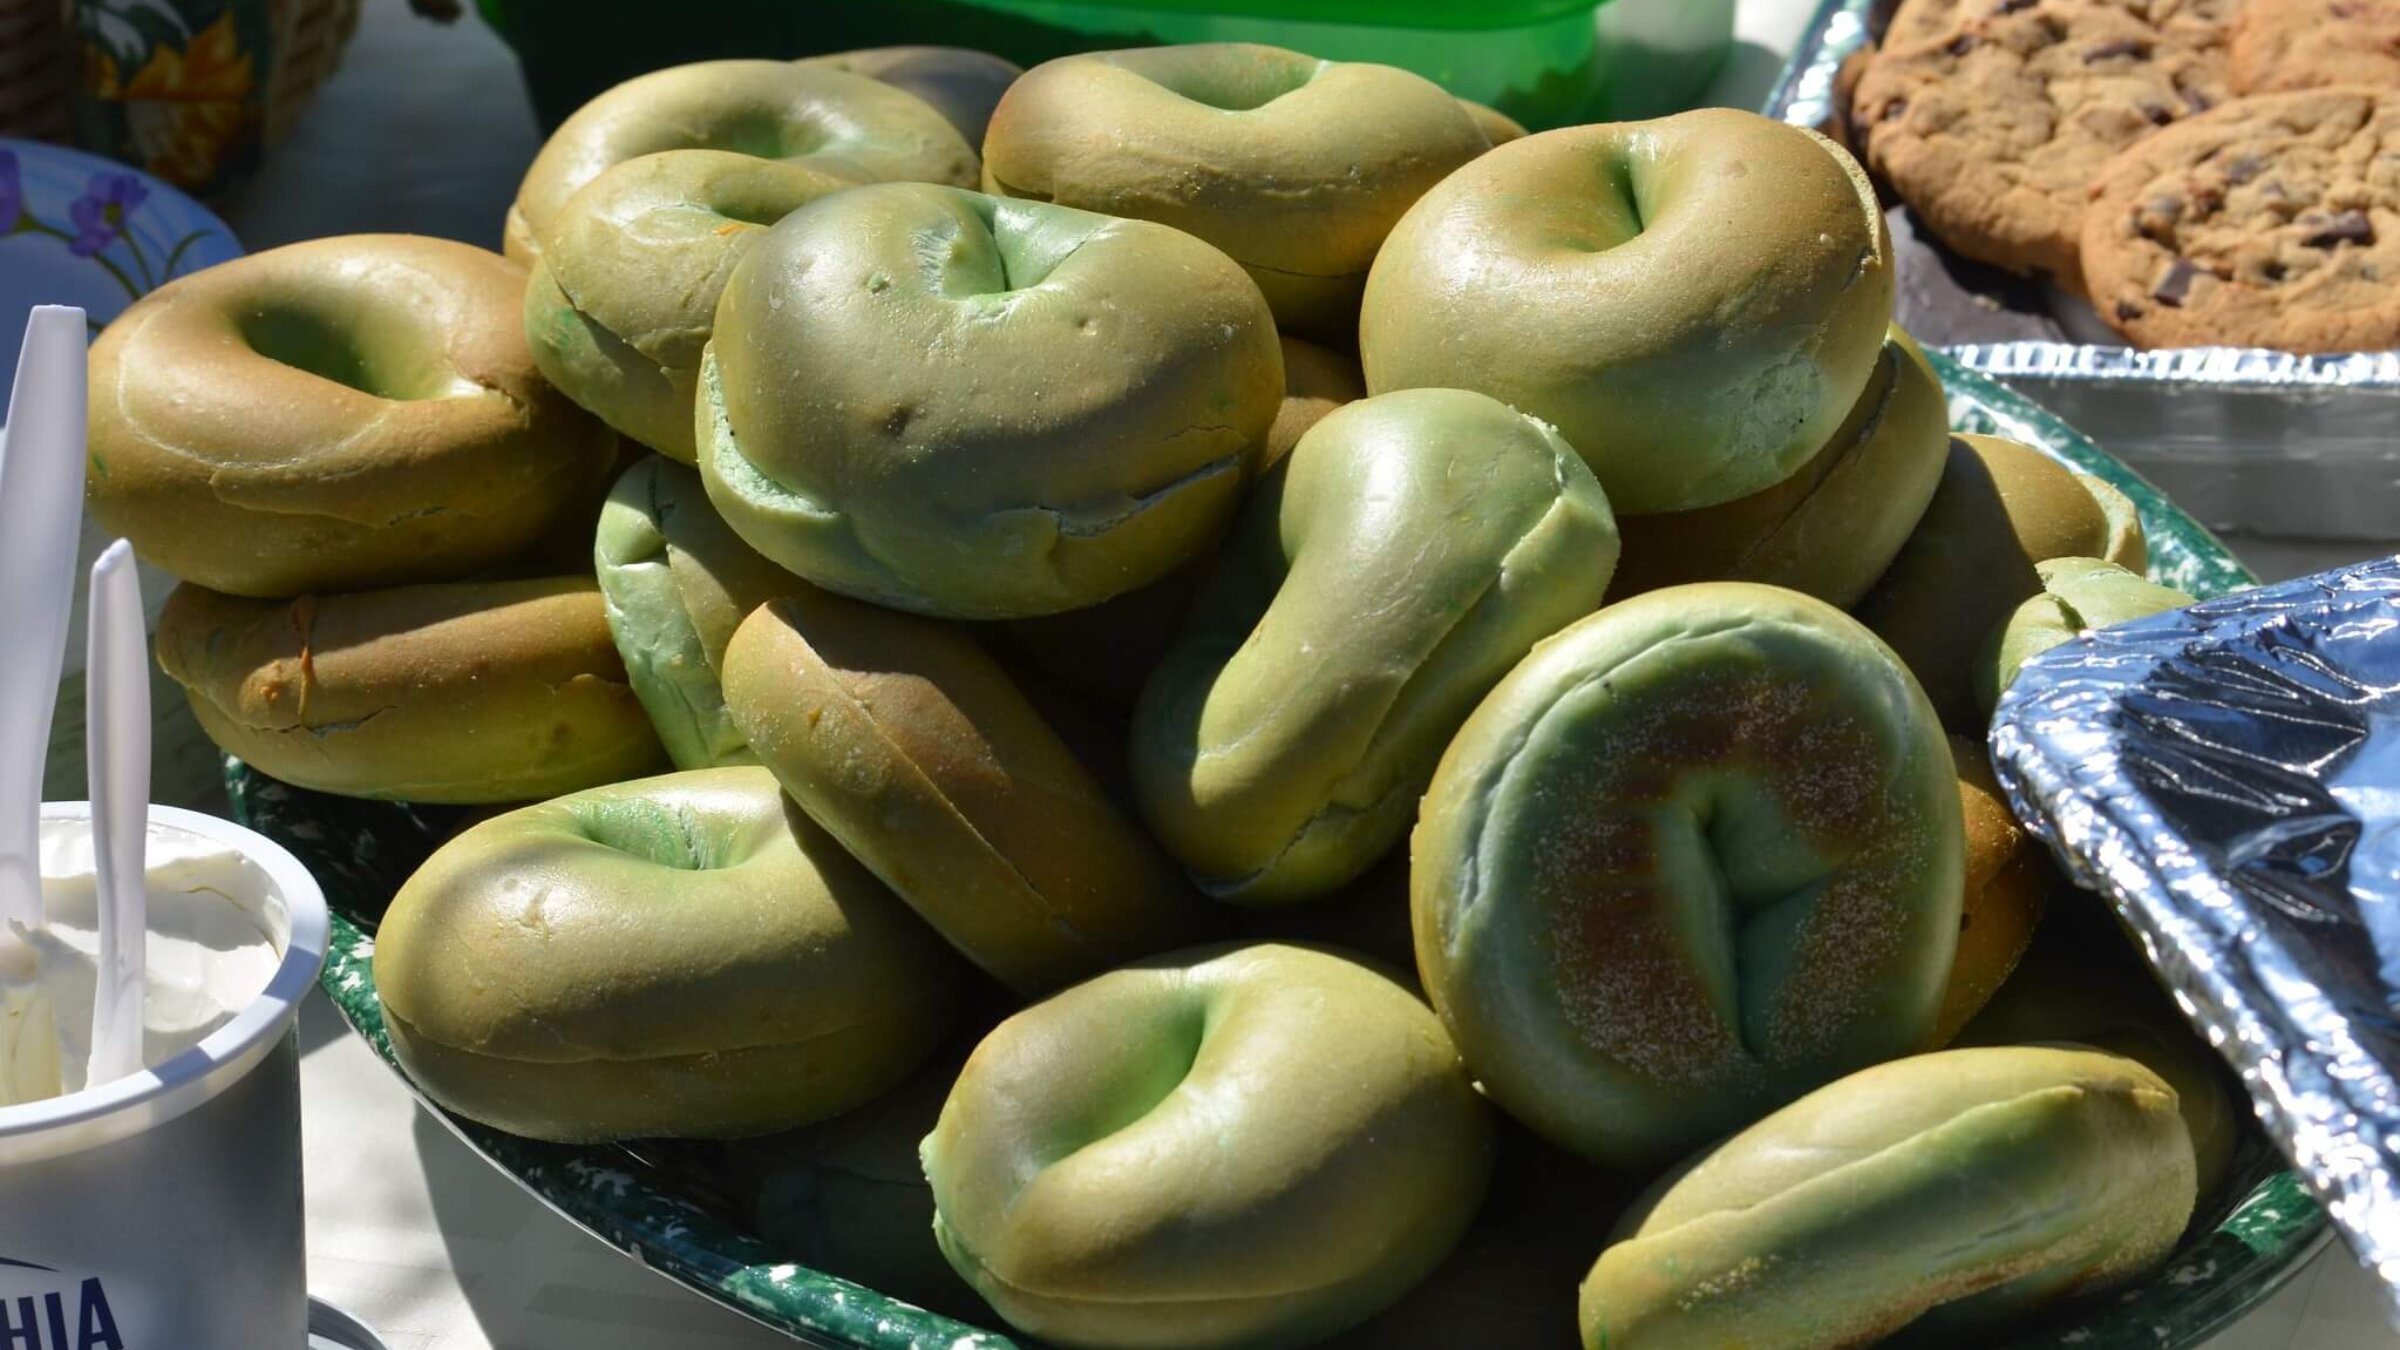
column 669, row 1205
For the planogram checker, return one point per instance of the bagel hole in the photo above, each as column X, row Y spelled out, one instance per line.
column 1143, row 1082
column 1771, row 882
column 1617, row 216
column 1245, row 89
column 1017, row 251
column 656, row 834
column 749, row 211
column 766, row 135
column 315, row 343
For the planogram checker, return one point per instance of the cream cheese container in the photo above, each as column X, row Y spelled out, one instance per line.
column 162, row 1210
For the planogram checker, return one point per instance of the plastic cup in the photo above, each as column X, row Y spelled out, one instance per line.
column 163, row 1209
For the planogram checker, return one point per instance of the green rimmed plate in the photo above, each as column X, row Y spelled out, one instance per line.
column 666, row 1204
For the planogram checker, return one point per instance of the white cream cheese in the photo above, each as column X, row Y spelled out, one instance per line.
column 217, row 930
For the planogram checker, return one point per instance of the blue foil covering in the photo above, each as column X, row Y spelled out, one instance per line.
column 2229, row 777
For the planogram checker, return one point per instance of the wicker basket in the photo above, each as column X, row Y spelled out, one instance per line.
column 310, row 36
column 37, row 70
column 43, row 67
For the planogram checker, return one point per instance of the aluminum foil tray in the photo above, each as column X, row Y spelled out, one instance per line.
column 2229, row 777
column 2254, row 441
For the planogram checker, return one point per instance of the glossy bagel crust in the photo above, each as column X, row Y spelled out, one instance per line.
column 1828, row 530
column 906, row 741
column 1247, row 1146
column 1698, row 854
column 624, row 295
column 2008, row 883
column 2128, row 544
column 1942, row 1193
column 470, row 692
column 1378, row 584
column 1295, row 167
column 1315, row 382
column 1094, row 402
column 1694, row 302
column 355, row 411
column 676, row 582
column 684, row 955
column 1498, row 127
column 2078, row 595
column 2082, row 981
column 2001, row 508
column 962, row 85
column 828, row 119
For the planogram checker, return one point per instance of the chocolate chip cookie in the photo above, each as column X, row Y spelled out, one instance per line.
column 2280, row 45
column 2273, row 221
column 1992, row 124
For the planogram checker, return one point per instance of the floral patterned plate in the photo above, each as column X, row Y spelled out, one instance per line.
column 76, row 229
column 666, row 1204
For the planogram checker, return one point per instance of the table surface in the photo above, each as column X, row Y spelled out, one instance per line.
column 426, row 130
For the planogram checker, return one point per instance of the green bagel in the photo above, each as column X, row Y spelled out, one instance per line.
column 2009, row 881
column 335, row 414
column 1699, row 853
column 676, row 583
column 824, row 118
column 2083, row 981
column 1315, row 382
column 1229, row 1147
column 1296, row 167
column 1832, row 528
column 624, row 295
column 2128, row 545
column 2000, row 508
column 2078, row 596
column 1386, row 575
column 961, row 84
column 684, row 955
column 467, row 693
column 1096, row 400
column 1498, row 127
column 1931, row 1197
column 905, row 739
column 1695, row 302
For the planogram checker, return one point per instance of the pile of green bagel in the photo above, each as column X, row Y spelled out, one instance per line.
column 1207, row 697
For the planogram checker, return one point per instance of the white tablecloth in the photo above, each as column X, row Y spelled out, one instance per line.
column 426, row 130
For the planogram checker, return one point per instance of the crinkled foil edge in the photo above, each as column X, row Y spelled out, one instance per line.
column 2060, row 739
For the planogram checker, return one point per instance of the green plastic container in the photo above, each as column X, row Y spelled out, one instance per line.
column 1544, row 62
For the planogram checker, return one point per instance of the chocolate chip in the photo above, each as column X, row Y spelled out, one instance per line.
column 2194, row 100
column 2350, row 227
column 2126, row 309
column 2110, row 50
column 2273, row 270
column 2243, row 169
column 2157, row 218
column 2012, row 6
column 2158, row 113
column 2176, row 284
column 1962, row 44
column 1892, row 110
